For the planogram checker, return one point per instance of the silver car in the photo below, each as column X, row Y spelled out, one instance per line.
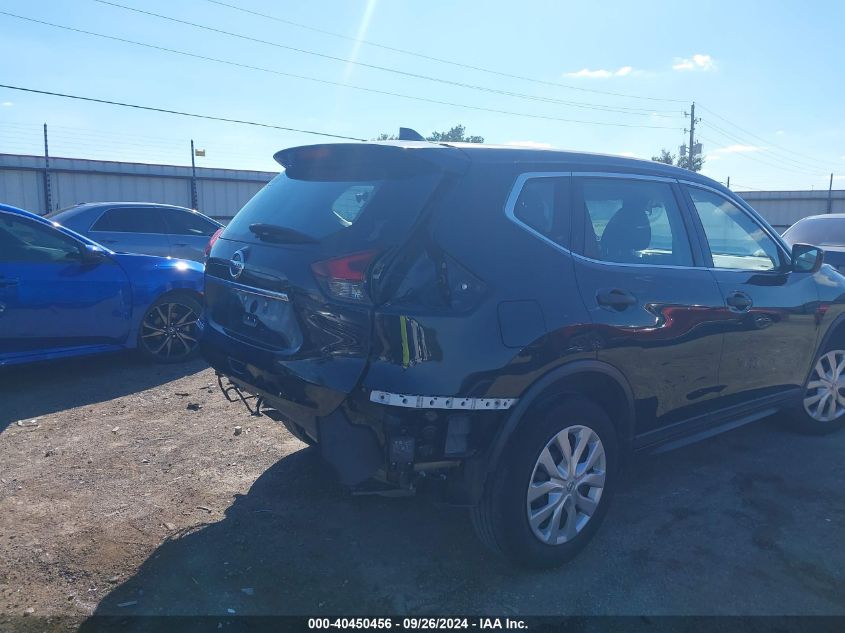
column 142, row 227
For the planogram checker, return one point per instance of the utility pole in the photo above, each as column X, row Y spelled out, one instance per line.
column 729, row 183
column 194, row 203
column 830, row 195
column 691, row 151
column 48, row 194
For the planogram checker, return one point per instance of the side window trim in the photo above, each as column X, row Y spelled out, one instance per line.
column 705, row 244
column 695, row 233
column 516, row 190
column 699, row 258
column 623, row 175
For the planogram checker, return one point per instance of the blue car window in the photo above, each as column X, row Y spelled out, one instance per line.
column 25, row 241
column 188, row 223
column 131, row 220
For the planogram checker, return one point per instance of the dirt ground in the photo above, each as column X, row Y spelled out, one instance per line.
column 124, row 490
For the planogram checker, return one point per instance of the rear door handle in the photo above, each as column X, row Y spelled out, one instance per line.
column 180, row 244
column 739, row 301
column 615, row 298
column 6, row 283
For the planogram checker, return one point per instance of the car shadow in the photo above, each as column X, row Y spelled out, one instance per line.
column 39, row 389
column 299, row 544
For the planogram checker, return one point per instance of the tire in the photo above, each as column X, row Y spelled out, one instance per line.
column 822, row 407
column 298, row 432
column 170, row 329
column 501, row 519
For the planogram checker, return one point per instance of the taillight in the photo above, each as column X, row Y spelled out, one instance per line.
column 345, row 277
column 211, row 241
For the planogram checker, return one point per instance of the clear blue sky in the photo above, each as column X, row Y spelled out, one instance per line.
column 773, row 72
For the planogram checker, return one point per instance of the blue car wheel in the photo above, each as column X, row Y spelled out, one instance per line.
column 170, row 330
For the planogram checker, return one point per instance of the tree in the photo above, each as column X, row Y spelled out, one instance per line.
column 456, row 135
column 697, row 162
column 668, row 158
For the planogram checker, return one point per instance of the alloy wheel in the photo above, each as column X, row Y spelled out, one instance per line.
column 566, row 485
column 825, row 397
column 170, row 330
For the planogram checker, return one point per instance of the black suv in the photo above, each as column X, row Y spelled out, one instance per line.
column 512, row 322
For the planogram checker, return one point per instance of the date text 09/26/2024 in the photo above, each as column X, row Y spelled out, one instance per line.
column 410, row 624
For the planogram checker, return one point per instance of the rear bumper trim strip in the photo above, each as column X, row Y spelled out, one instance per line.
column 283, row 296
column 441, row 402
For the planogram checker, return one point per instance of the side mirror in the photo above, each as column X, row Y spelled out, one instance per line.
column 92, row 254
column 806, row 258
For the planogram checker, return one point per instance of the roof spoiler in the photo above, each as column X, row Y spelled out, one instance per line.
column 368, row 160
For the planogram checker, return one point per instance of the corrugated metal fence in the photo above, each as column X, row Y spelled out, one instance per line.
column 222, row 192
column 783, row 208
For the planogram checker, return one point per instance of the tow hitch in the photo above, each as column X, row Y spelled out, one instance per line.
column 254, row 408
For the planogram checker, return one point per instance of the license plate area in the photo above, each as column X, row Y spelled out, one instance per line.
column 261, row 316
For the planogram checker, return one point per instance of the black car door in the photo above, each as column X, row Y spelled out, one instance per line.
column 769, row 312
column 654, row 306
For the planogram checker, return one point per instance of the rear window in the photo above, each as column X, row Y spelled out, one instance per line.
column 818, row 232
column 321, row 209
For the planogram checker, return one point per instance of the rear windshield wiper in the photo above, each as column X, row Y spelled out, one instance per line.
column 280, row 234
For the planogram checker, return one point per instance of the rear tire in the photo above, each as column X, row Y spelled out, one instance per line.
column 568, row 504
column 822, row 407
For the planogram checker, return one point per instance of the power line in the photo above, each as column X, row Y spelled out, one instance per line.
column 795, row 164
column 440, row 59
column 156, row 141
column 58, row 132
column 778, row 188
column 327, row 82
column 779, row 155
column 760, row 138
column 396, row 71
column 180, row 113
column 757, row 159
column 111, row 142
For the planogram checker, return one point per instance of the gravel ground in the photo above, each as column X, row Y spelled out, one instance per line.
column 124, row 490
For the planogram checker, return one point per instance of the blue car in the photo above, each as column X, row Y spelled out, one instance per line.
column 64, row 295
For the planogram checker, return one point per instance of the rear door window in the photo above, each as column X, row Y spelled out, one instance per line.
column 187, row 223
column 543, row 207
column 131, row 220
column 632, row 222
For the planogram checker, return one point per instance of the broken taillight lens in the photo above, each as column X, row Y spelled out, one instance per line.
column 345, row 277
